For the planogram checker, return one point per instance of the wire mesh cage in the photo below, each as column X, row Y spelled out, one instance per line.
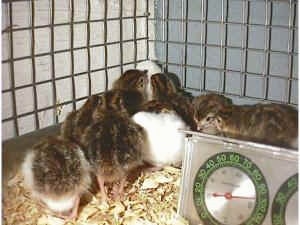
column 241, row 48
column 57, row 53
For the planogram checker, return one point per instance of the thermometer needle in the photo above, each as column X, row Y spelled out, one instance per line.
column 229, row 196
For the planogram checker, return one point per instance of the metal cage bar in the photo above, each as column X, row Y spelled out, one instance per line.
column 67, row 76
column 72, row 55
column 245, row 32
column 134, row 32
column 166, row 7
column 185, row 17
column 54, row 95
column 121, row 34
column 66, row 102
column 231, row 47
column 67, row 23
column 88, row 37
column 36, row 117
column 68, row 50
column 202, row 36
column 105, row 44
column 267, row 46
column 223, row 43
column 219, row 22
column 292, row 23
column 204, row 41
column 12, row 83
column 147, row 29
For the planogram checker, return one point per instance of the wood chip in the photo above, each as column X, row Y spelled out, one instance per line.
column 149, row 184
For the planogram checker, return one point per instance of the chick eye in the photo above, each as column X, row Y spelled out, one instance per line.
column 141, row 82
column 210, row 118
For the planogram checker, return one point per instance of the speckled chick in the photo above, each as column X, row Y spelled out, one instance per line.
column 57, row 173
column 76, row 122
column 118, row 100
column 162, row 86
column 273, row 124
column 129, row 91
column 133, row 80
column 204, row 107
column 113, row 146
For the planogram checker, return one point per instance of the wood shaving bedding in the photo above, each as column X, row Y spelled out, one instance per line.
column 150, row 200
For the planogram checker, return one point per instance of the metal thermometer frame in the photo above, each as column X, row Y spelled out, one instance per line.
column 276, row 164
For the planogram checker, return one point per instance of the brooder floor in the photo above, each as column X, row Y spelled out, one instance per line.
column 151, row 199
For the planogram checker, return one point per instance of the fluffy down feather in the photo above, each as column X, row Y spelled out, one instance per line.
column 165, row 141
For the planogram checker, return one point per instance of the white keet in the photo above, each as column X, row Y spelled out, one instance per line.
column 165, row 141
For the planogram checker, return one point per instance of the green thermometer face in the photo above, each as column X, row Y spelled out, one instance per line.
column 284, row 211
column 230, row 189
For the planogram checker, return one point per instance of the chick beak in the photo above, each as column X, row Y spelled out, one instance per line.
column 146, row 79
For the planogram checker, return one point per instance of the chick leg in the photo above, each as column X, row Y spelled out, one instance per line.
column 102, row 188
column 74, row 212
column 118, row 192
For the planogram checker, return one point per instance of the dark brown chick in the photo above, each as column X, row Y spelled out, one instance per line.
column 57, row 173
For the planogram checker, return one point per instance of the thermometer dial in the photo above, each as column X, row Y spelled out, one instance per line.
column 230, row 189
column 285, row 204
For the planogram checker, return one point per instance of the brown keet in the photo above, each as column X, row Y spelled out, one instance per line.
column 162, row 86
column 128, row 92
column 168, row 94
column 205, row 107
column 113, row 146
column 76, row 122
column 133, row 80
column 57, row 174
column 120, row 100
column 273, row 124
column 114, row 100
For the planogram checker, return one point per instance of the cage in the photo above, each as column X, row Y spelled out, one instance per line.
column 57, row 53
